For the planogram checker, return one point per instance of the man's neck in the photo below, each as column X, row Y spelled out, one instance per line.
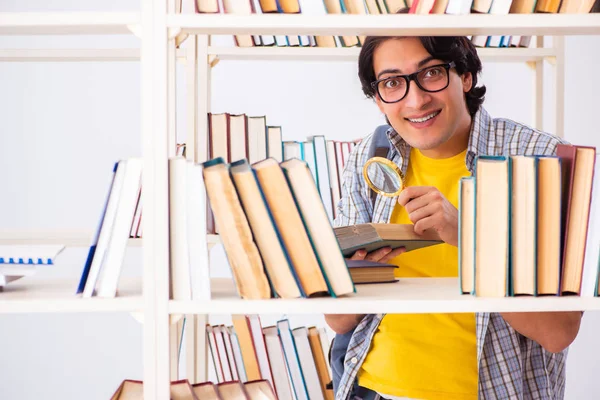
column 457, row 143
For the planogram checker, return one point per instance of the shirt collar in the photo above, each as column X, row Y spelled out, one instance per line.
column 479, row 138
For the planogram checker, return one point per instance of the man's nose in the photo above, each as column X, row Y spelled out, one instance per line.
column 416, row 98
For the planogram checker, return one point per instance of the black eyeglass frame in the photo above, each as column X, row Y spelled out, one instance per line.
column 413, row 77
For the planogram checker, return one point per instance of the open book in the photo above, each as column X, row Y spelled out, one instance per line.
column 371, row 237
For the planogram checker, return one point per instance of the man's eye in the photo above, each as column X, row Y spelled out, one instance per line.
column 392, row 83
column 433, row 72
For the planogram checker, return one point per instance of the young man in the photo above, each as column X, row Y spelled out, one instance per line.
column 427, row 89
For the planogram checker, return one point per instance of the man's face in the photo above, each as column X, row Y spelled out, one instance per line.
column 424, row 120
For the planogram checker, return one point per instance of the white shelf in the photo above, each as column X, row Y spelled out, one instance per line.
column 409, row 295
column 351, row 53
column 67, row 238
column 32, row 295
column 388, row 25
column 65, row 23
column 75, row 55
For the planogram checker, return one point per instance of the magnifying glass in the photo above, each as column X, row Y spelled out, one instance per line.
column 383, row 176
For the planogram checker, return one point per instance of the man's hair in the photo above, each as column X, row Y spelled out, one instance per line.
column 446, row 48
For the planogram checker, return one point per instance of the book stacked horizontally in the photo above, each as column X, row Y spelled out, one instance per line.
column 525, row 225
column 183, row 390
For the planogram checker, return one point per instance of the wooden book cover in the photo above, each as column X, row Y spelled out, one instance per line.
column 492, row 226
column 287, row 218
column 371, row 237
column 233, row 390
column 206, row 391
column 318, row 227
column 549, row 225
column 466, row 235
column 242, row 253
column 321, row 361
column 576, row 227
column 268, row 239
column 129, row 390
column 260, row 390
column 182, row 390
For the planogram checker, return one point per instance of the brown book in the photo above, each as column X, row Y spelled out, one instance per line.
column 291, row 228
column 233, row 390
column 371, row 237
column 268, row 240
column 182, row 390
column 523, row 224
column 363, row 271
column 207, row 6
column 129, row 390
column 244, row 7
column 581, row 161
column 242, row 253
column 249, row 357
column 334, row 7
column 547, row 6
column 206, row 391
column 492, row 226
column 318, row 227
column 320, row 361
column 259, row 390
column 548, row 225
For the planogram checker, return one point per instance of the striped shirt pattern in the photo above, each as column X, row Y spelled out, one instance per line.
column 511, row 366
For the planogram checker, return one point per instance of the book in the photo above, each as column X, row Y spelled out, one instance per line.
column 371, row 237
column 492, row 226
column 576, row 224
column 278, row 365
column 320, row 361
column 466, row 236
column 242, row 253
column 318, row 227
column 259, row 390
column 524, row 207
column 288, row 220
column 232, row 390
column 364, row 271
column 129, row 390
column 182, row 390
column 268, row 239
column 206, row 391
column 548, row 225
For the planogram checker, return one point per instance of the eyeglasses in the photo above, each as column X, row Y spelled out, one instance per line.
column 431, row 79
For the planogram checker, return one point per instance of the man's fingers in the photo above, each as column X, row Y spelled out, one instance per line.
column 423, row 224
column 359, row 255
column 378, row 254
column 412, row 192
column 392, row 254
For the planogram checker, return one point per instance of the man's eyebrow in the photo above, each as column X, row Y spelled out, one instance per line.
column 398, row 71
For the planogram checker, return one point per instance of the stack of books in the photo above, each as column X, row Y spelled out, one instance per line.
column 293, row 361
column 183, row 390
column 378, row 7
column 524, row 225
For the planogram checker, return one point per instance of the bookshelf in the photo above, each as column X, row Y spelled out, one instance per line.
column 160, row 25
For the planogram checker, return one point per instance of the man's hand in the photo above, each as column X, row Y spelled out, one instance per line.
column 427, row 208
column 342, row 323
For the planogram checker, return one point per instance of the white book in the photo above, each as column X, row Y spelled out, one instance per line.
column 334, row 178
column 589, row 279
column 237, row 354
column 181, row 288
column 307, row 362
column 323, row 174
column 212, row 345
column 309, row 157
column 291, row 358
column 261, row 350
column 196, row 233
column 278, row 366
column 111, row 267
column 106, row 230
column 223, row 356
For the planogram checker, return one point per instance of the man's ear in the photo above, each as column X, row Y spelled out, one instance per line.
column 467, row 81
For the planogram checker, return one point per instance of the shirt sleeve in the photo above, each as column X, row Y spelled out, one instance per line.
column 355, row 205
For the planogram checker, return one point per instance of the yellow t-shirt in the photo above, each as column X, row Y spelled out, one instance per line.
column 425, row 356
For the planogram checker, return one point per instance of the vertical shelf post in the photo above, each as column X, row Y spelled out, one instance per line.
column 558, row 42
column 154, row 100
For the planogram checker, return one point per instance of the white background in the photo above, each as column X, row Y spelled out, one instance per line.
column 63, row 125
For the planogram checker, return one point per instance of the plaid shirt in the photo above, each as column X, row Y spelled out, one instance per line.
column 510, row 365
